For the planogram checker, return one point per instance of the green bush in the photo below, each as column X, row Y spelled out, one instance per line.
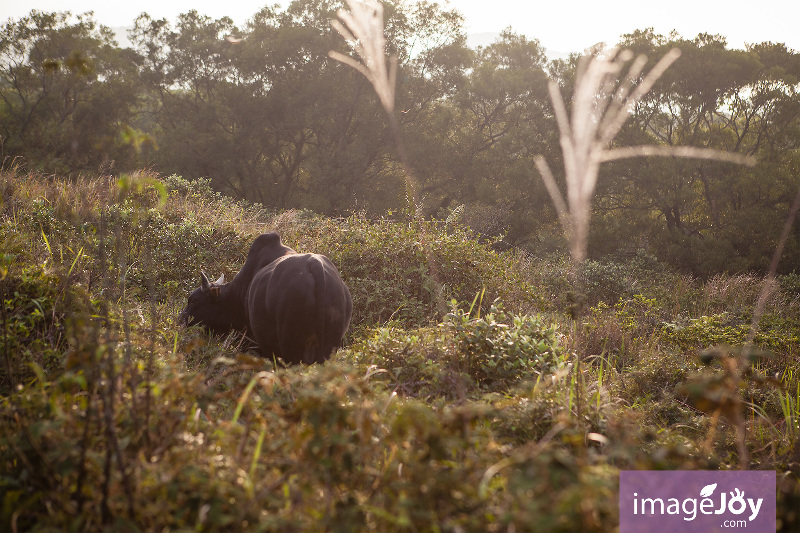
column 498, row 350
column 706, row 331
column 38, row 312
column 774, row 332
column 405, row 274
column 463, row 356
column 410, row 363
column 622, row 331
column 790, row 284
column 608, row 281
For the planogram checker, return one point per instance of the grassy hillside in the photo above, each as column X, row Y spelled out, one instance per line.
column 466, row 399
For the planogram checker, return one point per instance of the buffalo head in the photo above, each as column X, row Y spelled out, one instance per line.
column 206, row 305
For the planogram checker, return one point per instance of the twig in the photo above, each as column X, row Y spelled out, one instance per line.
column 6, row 353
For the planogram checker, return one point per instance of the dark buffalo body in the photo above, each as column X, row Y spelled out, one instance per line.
column 295, row 306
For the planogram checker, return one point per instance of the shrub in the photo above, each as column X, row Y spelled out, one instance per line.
column 406, row 273
column 410, row 363
column 790, row 284
column 608, row 281
column 499, row 350
column 621, row 330
column 776, row 333
column 706, row 331
column 463, row 356
column 38, row 309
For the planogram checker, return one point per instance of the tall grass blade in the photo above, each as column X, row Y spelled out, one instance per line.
column 243, row 398
column 257, row 453
column 74, row 261
column 46, row 241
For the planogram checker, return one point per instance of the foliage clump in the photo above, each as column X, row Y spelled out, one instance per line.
column 464, row 355
column 724, row 329
column 37, row 328
column 499, row 350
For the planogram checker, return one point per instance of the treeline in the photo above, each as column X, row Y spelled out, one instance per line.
column 266, row 115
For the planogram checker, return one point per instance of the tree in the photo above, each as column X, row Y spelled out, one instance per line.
column 703, row 215
column 478, row 148
column 66, row 89
column 269, row 117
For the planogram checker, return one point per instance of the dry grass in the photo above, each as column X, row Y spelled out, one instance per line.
column 57, row 193
column 737, row 292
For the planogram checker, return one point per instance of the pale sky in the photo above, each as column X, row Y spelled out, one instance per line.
column 560, row 25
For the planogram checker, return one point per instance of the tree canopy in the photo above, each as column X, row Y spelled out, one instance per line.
column 268, row 116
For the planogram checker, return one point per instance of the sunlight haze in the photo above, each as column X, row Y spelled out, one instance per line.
column 561, row 26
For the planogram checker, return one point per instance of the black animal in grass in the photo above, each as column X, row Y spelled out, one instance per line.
column 295, row 306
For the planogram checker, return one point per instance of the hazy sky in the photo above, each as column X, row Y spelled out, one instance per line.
column 561, row 25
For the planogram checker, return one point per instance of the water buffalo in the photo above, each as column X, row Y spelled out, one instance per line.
column 295, row 306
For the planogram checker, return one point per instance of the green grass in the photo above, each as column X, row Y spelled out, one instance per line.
column 463, row 399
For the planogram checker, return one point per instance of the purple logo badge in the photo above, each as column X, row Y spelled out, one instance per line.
column 700, row 501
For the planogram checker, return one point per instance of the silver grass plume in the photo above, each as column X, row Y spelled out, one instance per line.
column 362, row 27
column 600, row 106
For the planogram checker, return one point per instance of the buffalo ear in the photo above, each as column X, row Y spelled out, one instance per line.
column 204, row 284
column 221, row 280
